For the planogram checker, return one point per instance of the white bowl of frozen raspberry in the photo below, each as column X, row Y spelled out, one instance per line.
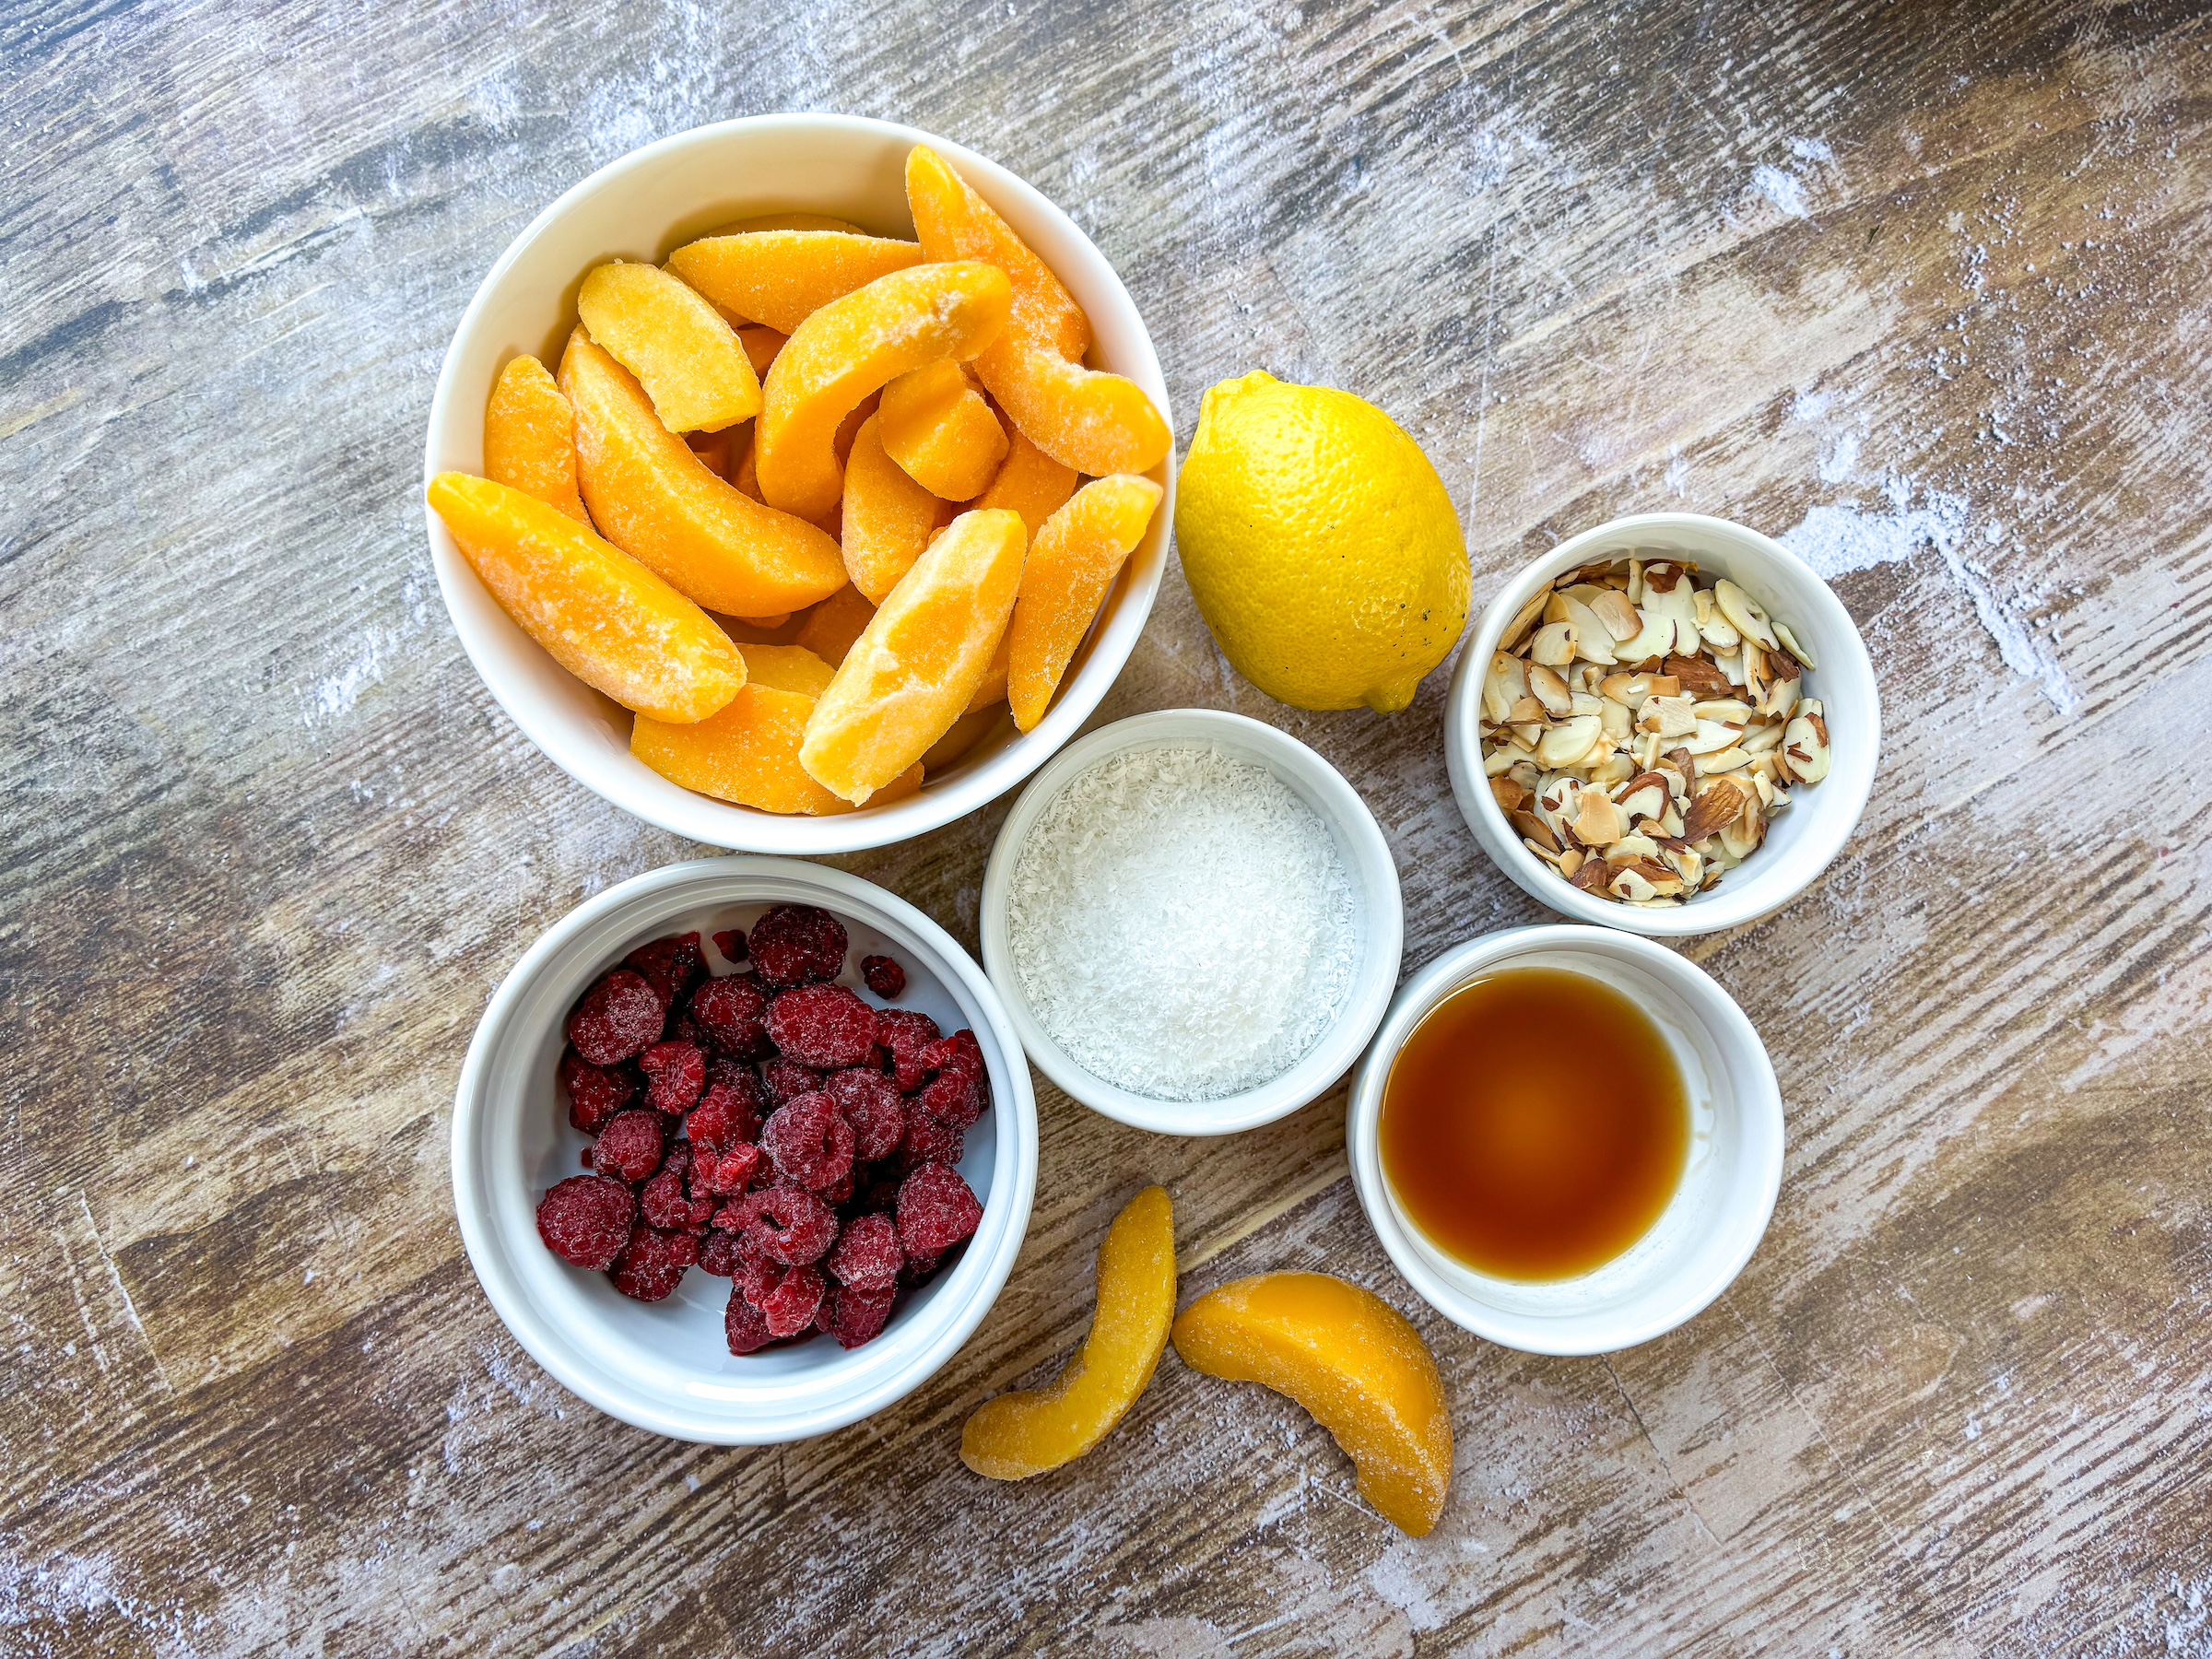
column 744, row 1150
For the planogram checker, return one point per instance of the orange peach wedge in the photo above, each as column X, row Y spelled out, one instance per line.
column 968, row 731
column 888, row 515
column 831, row 627
column 1029, row 482
column 1352, row 1360
column 599, row 613
column 749, row 752
column 781, row 276
column 530, row 438
column 690, row 362
column 1073, row 561
column 1018, row 1435
column 935, row 424
column 914, row 669
column 661, row 505
column 855, row 346
column 1095, row 422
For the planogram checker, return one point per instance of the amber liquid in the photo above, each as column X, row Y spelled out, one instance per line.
column 1534, row 1124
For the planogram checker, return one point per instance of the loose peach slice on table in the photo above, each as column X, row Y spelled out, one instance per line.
column 597, row 612
column 688, row 360
column 888, row 515
column 1072, row 560
column 833, row 625
column 936, row 424
column 1026, row 1433
column 780, row 278
column 855, row 346
column 1029, row 482
column 530, row 438
column 661, row 503
column 912, row 673
column 1352, row 1360
column 749, row 752
column 1096, row 422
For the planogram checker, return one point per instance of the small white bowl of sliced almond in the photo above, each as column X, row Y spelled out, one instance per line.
column 1668, row 724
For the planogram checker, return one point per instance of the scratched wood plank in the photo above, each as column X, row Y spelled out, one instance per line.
column 1920, row 288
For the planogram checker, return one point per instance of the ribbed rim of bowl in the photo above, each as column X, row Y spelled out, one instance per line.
column 1758, row 1092
column 724, row 824
column 1740, row 898
column 1339, row 1047
column 978, row 1278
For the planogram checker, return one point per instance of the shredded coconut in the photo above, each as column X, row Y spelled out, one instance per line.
column 1183, row 923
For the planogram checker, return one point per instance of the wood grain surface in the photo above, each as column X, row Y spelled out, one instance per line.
column 1924, row 288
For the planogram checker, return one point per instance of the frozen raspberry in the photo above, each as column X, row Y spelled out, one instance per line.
column 755, row 1276
column 727, row 1113
column 730, row 941
column 585, row 1220
column 959, row 1054
column 654, row 1266
column 908, row 1035
column 854, row 1317
column 670, row 966
column 718, row 1254
column 876, row 1192
column 675, row 1073
column 596, row 1094
column 665, row 1201
column 742, row 1325
column 936, row 1210
column 617, row 1018
column 788, row 1080
column 785, row 1224
column 726, row 1174
column 953, row 1098
column 871, row 1105
column 822, row 1025
column 839, row 1194
column 810, row 1141
column 798, row 945
column 790, row 1308
column 867, row 1254
column 929, row 1139
column 731, row 1013
column 883, row 976
column 630, row 1147
column 919, row 1271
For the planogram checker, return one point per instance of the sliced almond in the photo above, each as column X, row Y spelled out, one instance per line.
column 1744, row 612
column 1684, row 862
column 1614, row 769
column 1555, row 645
column 1699, row 677
column 1593, row 876
column 1654, row 639
column 1668, row 717
column 1632, row 689
column 1550, row 855
column 1524, row 618
column 1527, row 711
column 1599, row 823
column 1620, row 618
column 1525, row 775
column 1505, row 685
column 1732, row 759
column 1568, row 742
column 1805, row 746
column 1620, row 723
column 1645, row 796
column 1635, row 582
column 1593, row 640
column 1731, row 665
column 1587, row 703
column 1743, row 836
column 1498, row 761
column 1719, row 802
column 1712, row 737
column 1719, row 636
column 1534, row 829
column 1548, row 687
column 1510, row 797
column 1632, row 846
column 1732, row 710
column 1763, row 736
column 1556, row 802
column 1789, row 643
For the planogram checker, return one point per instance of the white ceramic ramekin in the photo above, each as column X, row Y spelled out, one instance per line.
column 1380, row 909
column 1708, row 1230
column 1801, row 841
column 643, row 206
column 666, row 1366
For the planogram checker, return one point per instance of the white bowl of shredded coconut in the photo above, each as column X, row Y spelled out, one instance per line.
column 1194, row 921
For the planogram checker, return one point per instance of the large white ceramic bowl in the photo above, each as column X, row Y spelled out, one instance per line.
column 1379, row 907
column 643, row 206
column 1803, row 839
column 666, row 1366
column 1710, row 1227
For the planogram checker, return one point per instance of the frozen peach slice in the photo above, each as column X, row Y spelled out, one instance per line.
column 968, row 731
column 790, row 221
column 833, row 625
column 888, row 515
column 954, row 222
column 1026, row 1433
column 781, row 277
column 914, row 669
column 760, row 346
column 992, row 691
column 855, row 346
column 749, row 751
column 1031, row 483
column 692, row 364
column 659, row 502
column 936, row 425
column 598, row 612
column 530, row 437
column 1072, row 560
column 1348, row 1358
column 1097, row 423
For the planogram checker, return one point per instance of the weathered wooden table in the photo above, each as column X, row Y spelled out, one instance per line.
column 1921, row 287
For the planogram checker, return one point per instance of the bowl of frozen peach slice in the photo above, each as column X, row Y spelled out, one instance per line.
column 800, row 483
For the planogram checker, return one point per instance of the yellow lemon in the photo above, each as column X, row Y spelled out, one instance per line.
column 1320, row 545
